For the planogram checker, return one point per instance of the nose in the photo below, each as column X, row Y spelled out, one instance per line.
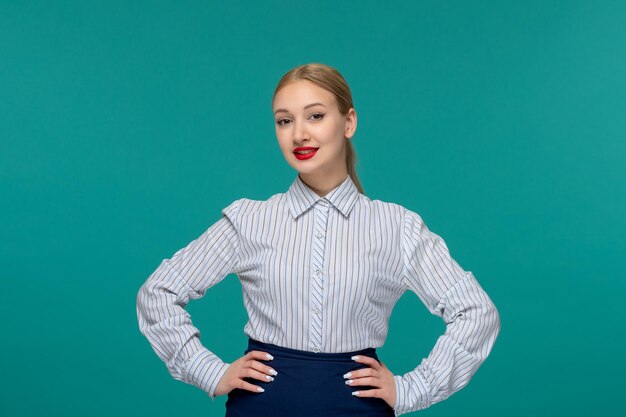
column 299, row 132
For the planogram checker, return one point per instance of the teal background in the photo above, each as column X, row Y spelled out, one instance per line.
column 127, row 126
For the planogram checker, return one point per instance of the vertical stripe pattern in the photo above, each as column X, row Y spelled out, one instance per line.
column 322, row 274
column 317, row 278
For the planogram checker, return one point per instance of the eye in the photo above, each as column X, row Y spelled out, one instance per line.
column 321, row 115
column 280, row 122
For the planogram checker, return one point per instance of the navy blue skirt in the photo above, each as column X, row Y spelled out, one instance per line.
column 308, row 384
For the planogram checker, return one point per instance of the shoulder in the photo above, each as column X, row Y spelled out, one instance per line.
column 409, row 221
column 388, row 208
column 243, row 207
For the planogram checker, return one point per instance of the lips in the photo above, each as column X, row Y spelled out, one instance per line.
column 308, row 155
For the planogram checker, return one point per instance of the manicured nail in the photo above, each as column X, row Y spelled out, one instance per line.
column 273, row 372
column 270, row 357
column 356, row 392
column 269, row 378
column 355, row 357
column 348, row 382
column 260, row 389
column 348, row 375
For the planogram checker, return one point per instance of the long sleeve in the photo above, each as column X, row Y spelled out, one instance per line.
column 472, row 320
column 161, row 302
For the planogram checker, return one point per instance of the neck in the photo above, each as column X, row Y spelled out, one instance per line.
column 322, row 185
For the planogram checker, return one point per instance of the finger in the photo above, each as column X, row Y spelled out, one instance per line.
column 261, row 367
column 360, row 373
column 257, row 354
column 245, row 385
column 367, row 360
column 370, row 381
column 368, row 393
column 252, row 373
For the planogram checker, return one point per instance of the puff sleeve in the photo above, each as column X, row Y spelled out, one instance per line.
column 471, row 318
column 162, row 298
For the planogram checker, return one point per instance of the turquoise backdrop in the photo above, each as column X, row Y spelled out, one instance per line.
column 126, row 126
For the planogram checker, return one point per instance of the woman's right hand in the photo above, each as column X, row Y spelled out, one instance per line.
column 248, row 366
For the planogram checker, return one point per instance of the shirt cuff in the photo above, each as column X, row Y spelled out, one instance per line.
column 411, row 393
column 205, row 370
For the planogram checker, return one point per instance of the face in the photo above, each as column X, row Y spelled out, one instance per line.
column 306, row 115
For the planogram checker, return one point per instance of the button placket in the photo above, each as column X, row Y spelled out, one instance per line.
column 317, row 277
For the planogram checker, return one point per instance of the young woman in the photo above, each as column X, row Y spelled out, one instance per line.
column 321, row 267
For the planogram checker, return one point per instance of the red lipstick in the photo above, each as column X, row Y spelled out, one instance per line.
column 302, row 156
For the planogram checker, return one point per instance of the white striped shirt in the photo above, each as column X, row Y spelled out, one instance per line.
column 322, row 274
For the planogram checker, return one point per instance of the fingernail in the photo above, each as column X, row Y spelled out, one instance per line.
column 348, row 375
column 270, row 357
column 355, row 357
column 356, row 392
column 260, row 389
column 348, row 382
column 273, row 372
column 269, row 378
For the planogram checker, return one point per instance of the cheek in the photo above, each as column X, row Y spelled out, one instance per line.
column 334, row 134
column 285, row 147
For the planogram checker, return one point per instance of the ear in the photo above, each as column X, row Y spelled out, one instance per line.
column 351, row 122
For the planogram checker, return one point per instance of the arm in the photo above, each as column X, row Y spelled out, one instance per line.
column 472, row 320
column 161, row 302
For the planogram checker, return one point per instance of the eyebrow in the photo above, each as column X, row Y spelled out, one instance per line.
column 306, row 107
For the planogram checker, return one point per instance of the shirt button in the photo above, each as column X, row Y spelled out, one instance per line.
column 316, row 349
column 317, row 311
column 319, row 235
column 317, row 272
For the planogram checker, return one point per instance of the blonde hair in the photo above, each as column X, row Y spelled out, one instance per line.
column 330, row 80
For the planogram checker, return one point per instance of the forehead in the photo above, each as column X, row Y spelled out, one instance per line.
column 297, row 95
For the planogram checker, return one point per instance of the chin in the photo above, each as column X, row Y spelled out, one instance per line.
column 302, row 171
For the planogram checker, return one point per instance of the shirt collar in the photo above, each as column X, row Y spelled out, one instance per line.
column 301, row 197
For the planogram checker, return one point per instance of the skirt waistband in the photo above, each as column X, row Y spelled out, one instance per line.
column 254, row 344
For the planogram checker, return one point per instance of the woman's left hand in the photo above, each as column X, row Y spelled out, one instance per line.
column 377, row 375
